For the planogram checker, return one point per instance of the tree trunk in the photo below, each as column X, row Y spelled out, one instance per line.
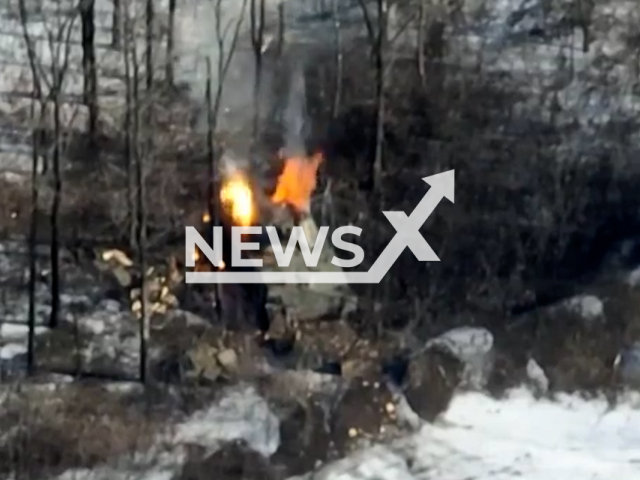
column 141, row 231
column 170, row 44
column 150, row 14
column 35, row 137
column 55, row 214
column 129, row 135
column 337, row 99
column 422, row 19
column 281, row 29
column 87, row 16
column 213, row 171
column 380, row 56
column 33, row 234
column 116, row 22
column 257, row 41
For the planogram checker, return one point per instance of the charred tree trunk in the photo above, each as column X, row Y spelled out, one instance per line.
column 116, row 22
column 169, row 73
column 150, row 15
column 87, row 16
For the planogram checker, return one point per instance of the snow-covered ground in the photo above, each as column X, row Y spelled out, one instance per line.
column 518, row 437
column 480, row 438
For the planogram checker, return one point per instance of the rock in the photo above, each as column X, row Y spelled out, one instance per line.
column 228, row 360
column 627, row 366
column 433, row 377
column 305, row 304
column 588, row 307
column 204, row 362
column 473, row 346
column 189, row 319
column 122, row 276
column 234, row 461
column 537, row 377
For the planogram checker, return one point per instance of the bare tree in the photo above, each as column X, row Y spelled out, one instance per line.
column 136, row 177
column 257, row 17
column 378, row 36
column 226, row 48
column 281, row 29
column 150, row 16
column 211, row 156
column 58, row 72
column 337, row 99
column 169, row 74
column 53, row 79
column 35, row 153
column 130, row 135
column 87, row 16
column 116, row 22
column 422, row 25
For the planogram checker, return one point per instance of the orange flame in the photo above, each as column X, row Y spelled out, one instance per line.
column 236, row 195
column 297, row 182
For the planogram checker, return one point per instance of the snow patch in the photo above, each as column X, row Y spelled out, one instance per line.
column 517, row 438
column 240, row 415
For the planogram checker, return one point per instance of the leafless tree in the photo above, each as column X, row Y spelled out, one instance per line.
column 281, row 28
column 51, row 78
column 116, row 22
column 59, row 44
column 169, row 74
column 378, row 36
column 150, row 16
column 136, row 184
column 337, row 99
column 422, row 25
column 257, row 17
column 33, row 226
column 87, row 16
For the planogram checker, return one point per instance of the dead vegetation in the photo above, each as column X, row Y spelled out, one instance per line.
column 49, row 430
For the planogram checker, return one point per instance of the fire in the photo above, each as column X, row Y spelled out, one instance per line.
column 237, row 196
column 297, row 182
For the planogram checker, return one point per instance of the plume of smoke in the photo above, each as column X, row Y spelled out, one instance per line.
column 295, row 114
column 197, row 40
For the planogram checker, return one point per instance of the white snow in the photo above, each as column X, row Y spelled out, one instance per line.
column 536, row 375
column 472, row 346
column 241, row 414
column 517, row 438
column 588, row 307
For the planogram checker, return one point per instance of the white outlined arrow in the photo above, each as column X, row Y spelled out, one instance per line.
column 408, row 235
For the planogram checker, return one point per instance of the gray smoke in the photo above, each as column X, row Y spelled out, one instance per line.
column 197, row 40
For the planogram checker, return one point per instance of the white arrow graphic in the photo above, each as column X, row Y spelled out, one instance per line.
column 408, row 235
